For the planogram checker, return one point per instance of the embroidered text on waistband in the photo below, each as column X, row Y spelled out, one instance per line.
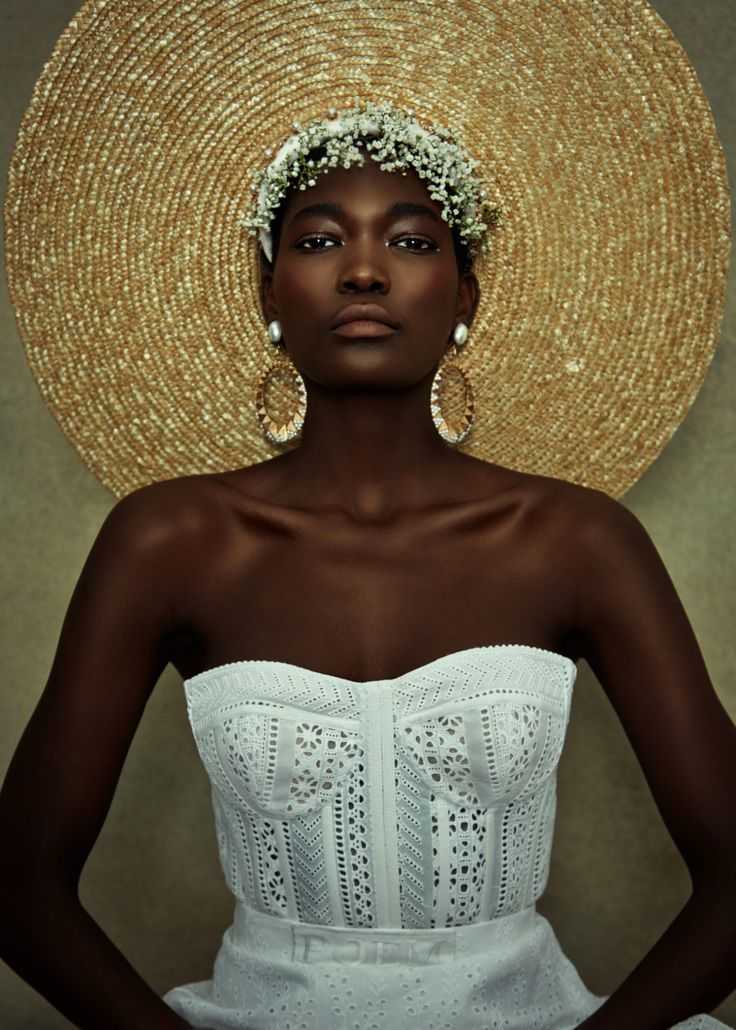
column 374, row 947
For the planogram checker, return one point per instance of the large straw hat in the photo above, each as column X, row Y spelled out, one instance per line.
column 135, row 284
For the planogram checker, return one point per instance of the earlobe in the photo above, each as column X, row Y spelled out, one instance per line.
column 268, row 304
column 468, row 296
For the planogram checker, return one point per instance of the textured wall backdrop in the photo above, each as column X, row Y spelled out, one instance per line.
column 153, row 881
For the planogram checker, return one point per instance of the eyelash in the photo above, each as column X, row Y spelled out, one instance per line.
column 302, row 244
column 431, row 245
column 430, row 248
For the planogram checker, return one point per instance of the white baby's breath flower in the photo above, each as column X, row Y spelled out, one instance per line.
column 397, row 142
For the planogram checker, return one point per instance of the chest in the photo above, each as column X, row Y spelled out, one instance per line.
column 365, row 602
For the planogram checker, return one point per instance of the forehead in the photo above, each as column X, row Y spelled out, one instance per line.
column 366, row 188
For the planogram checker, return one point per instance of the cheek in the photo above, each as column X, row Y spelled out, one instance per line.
column 434, row 293
column 297, row 289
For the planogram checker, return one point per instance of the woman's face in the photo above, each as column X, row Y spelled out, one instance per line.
column 366, row 237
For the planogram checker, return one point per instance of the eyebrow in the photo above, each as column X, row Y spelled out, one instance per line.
column 332, row 210
column 406, row 207
column 322, row 208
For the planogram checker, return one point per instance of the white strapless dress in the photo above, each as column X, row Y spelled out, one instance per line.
column 386, row 843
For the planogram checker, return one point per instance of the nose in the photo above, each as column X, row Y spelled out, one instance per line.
column 364, row 269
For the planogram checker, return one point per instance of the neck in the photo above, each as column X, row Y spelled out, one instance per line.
column 369, row 452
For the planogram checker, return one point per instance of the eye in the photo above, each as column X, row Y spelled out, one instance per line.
column 316, row 242
column 416, row 243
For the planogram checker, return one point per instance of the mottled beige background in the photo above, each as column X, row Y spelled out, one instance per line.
column 153, row 881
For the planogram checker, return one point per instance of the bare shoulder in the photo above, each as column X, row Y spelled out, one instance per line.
column 583, row 520
column 170, row 527
column 599, row 530
column 618, row 576
column 163, row 514
column 623, row 601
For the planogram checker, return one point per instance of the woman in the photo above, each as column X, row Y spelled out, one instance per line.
column 321, row 578
column 404, row 569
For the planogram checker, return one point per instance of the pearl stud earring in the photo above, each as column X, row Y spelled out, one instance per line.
column 461, row 334
column 274, row 331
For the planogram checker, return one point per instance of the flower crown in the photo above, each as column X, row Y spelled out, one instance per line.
column 396, row 142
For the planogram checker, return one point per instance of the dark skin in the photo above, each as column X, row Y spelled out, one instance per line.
column 368, row 551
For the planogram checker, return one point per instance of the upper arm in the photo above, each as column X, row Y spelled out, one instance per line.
column 111, row 651
column 640, row 644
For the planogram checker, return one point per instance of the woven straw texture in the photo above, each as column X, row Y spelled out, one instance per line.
column 135, row 285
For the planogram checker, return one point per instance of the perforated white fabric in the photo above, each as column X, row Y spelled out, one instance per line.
column 358, row 823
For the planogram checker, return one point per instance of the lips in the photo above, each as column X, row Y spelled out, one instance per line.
column 364, row 313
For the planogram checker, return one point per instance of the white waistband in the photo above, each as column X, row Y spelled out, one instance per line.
column 312, row 943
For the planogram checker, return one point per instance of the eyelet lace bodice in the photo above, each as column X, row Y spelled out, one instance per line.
column 423, row 801
column 385, row 842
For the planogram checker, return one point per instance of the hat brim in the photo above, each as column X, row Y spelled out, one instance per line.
column 135, row 284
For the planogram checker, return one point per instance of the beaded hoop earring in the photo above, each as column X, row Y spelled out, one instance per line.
column 291, row 427
column 450, row 375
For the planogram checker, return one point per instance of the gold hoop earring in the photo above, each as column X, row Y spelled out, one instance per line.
column 455, row 422
column 276, row 383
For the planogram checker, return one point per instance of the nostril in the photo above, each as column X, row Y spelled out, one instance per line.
column 361, row 284
column 374, row 287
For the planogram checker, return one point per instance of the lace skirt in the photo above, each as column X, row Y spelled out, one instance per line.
column 276, row 974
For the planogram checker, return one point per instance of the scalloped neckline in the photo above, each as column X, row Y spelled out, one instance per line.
column 249, row 662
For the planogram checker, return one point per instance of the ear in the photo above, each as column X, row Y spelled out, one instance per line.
column 268, row 302
column 468, row 295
